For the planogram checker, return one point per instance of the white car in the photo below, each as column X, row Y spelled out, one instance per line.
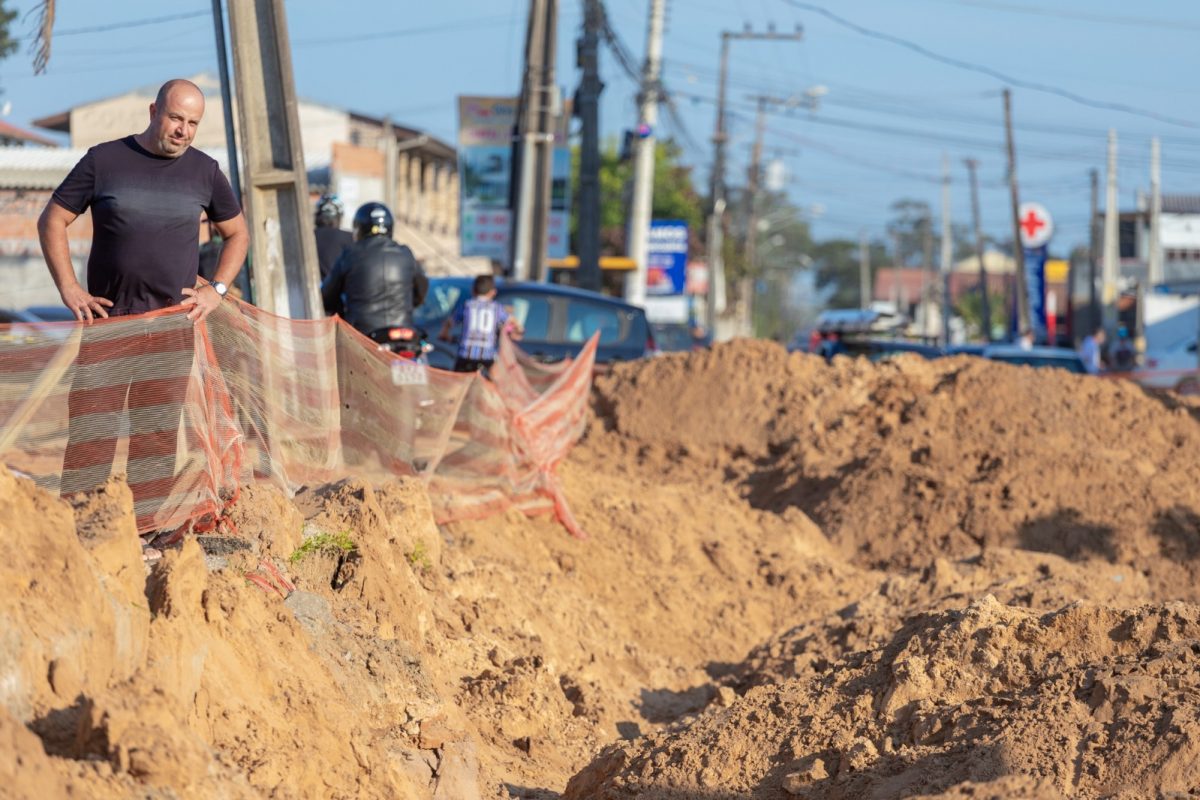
column 1172, row 367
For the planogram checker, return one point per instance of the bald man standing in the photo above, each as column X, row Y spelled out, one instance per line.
column 147, row 193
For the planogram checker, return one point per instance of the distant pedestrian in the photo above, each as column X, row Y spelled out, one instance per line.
column 482, row 319
column 1122, row 355
column 1091, row 351
column 832, row 346
column 331, row 239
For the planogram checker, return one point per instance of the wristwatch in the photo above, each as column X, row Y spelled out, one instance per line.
column 220, row 288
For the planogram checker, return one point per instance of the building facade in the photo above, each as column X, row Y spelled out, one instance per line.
column 343, row 150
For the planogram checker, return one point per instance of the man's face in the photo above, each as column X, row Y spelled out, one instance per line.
column 173, row 126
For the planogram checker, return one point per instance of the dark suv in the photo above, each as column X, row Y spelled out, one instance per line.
column 558, row 320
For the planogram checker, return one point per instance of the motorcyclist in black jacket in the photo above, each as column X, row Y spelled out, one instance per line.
column 375, row 283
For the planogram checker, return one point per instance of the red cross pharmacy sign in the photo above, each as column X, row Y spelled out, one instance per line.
column 1036, row 225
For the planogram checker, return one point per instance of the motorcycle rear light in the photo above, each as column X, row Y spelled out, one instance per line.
column 396, row 334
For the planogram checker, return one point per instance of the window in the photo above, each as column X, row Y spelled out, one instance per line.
column 439, row 303
column 584, row 319
column 532, row 311
column 1127, row 238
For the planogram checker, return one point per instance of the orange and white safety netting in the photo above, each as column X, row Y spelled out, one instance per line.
column 192, row 413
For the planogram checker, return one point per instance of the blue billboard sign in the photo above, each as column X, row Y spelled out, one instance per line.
column 666, row 262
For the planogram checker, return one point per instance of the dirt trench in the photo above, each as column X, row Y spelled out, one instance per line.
column 951, row 579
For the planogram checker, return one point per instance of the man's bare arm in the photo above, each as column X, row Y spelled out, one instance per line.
column 235, row 236
column 52, row 232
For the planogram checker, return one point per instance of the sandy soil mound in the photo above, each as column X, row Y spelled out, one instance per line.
column 498, row 655
column 909, row 459
column 1090, row 700
column 707, row 641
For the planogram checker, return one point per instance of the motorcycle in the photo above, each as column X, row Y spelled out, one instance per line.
column 412, row 345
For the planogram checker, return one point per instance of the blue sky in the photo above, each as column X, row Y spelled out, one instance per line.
column 878, row 135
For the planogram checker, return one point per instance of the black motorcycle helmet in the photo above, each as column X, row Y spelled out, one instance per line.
column 373, row 219
column 329, row 211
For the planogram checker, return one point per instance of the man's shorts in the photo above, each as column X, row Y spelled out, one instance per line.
column 472, row 364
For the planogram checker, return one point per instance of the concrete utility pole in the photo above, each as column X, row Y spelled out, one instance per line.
column 549, row 112
column 587, row 106
column 283, row 250
column 716, row 267
column 864, row 271
column 537, row 89
column 947, row 249
column 1112, row 253
column 1156, row 275
column 1022, row 286
column 390, row 156
column 746, row 291
column 1094, row 316
column 643, row 164
column 985, row 306
column 926, row 272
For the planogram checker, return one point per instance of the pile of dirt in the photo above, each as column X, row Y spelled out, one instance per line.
column 1090, row 701
column 707, row 641
column 423, row 662
column 909, row 459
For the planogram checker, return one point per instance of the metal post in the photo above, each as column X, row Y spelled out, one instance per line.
column 985, row 306
column 588, row 109
column 643, row 169
column 244, row 280
column 1022, row 286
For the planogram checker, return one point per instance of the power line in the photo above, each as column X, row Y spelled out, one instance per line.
column 629, row 65
column 1167, row 24
column 115, row 26
column 914, row 110
column 482, row 22
column 985, row 70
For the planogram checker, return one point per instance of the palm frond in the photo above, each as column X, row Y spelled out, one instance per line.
column 45, row 30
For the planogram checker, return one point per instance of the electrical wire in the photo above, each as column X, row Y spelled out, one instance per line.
column 1165, row 24
column 993, row 73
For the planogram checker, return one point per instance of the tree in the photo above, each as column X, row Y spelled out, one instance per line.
column 970, row 308
column 908, row 231
column 7, row 43
column 837, row 265
column 674, row 195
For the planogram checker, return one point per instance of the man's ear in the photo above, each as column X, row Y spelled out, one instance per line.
column 153, row 110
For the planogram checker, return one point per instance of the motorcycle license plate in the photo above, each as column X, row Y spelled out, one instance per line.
column 408, row 373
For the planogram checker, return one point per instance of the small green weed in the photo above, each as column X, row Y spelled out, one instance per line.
column 334, row 544
column 418, row 557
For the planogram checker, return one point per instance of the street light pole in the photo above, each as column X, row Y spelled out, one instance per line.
column 716, row 267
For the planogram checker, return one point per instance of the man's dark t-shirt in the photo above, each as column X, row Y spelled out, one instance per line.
column 330, row 244
column 145, row 220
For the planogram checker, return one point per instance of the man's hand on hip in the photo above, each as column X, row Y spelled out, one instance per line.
column 84, row 305
column 203, row 299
